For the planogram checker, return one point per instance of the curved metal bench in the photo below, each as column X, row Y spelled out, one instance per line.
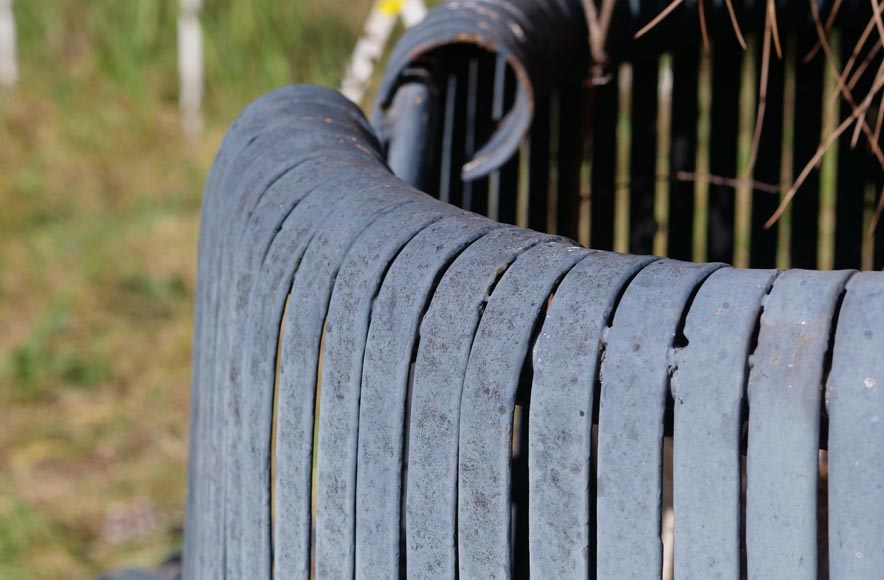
column 386, row 385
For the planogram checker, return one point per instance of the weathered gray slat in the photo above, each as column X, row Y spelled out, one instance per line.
column 856, row 434
column 222, row 226
column 358, row 278
column 635, row 387
column 566, row 358
column 249, row 176
column 784, row 422
column 499, row 350
column 708, row 386
column 447, row 332
column 346, row 333
column 272, row 210
column 333, row 214
column 395, row 319
column 220, row 195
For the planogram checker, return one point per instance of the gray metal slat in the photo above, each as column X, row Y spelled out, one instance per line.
column 253, row 173
column 565, row 359
column 856, row 434
column 447, row 332
column 346, row 332
column 784, row 424
column 358, row 277
column 709, row 390
column 395, row 320
column 320, row 216
column 635, row 388
column 222, row 206
column 273, row 208
column 500, row 348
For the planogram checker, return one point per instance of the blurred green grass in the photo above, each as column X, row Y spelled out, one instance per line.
column 99, row 212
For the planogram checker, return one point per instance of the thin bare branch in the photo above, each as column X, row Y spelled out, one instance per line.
column 821, row 150
column 878, row 120
column 877, row 217
column 762, row 91
column 657, row 19
column 772, row 14
column 703, row 31
column 735, row 24
column 728, row 181
column 876, row 10
column 829, row 22
column 830, row 59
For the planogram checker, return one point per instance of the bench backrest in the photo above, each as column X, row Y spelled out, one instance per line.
column 643, row 155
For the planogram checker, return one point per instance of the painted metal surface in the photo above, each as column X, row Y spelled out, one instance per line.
column 540, row 41
column 447, row 332
column 500, row 348
column 856, row 433
column 361, row 343
column 708, row 388
column 392, row 337
column 566, row 368
column 785, row 396
column 635, row 375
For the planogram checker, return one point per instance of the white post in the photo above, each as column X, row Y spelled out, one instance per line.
column 190, row 66
column 8, row 66
column 375, row 35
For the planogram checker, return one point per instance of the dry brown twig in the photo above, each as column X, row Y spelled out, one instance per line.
column 821, row 150
column 728, row 181
column 845, row 92
column 703, row 31
column 830, row 21
column 656, row 20
column 735, row 24
column 598, row 35
column 762, row 88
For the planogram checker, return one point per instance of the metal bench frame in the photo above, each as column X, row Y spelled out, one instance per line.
column 428, row 380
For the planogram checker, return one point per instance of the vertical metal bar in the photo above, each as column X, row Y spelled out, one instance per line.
column 784, row 424
column 489, row 398
column 480, row 79
column 451, row 186
column 356, row 280
column 708, row 387
column 635, row 390
column 561, row 543
column 506, row 180
column 855, row 403
column 411, row 147
column 392, row 336
column 447, row 333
